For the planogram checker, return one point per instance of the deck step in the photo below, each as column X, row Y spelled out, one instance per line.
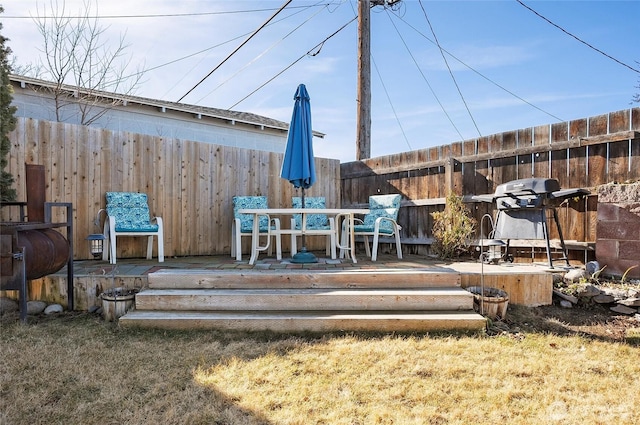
column 432, row 299
column 229, row 279
column 312, row 321
column 423, row 300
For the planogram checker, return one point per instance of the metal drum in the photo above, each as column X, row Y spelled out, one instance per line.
column 46, row 251
column 33, row 248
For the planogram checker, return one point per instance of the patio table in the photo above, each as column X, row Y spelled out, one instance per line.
column 337, row 213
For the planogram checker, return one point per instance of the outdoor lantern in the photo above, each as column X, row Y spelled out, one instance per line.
column 96, row 240
column 96, row 244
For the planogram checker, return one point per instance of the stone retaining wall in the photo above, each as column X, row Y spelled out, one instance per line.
column 618, row 229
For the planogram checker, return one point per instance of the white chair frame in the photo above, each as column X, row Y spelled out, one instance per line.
column 273, row 229
column 373, row 251
column 111, row 235
column 331, row 236
column 380, row 209
column 237, row 235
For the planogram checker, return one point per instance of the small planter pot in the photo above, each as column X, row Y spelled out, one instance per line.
column 493, row 302
column 115, row 303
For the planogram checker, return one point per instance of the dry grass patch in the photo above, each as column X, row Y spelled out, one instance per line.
column 79, row 369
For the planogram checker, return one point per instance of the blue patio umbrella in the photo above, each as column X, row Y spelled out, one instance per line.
column 298, row 164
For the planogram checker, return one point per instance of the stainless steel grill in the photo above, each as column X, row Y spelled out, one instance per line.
column 524, row 208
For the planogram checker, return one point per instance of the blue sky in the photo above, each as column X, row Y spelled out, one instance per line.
column 489, row 46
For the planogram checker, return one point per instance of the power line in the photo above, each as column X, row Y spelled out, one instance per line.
column 161, row 15
column 190, row 55
column 237, row 48
column 424, row 77
column 577, row 38
column 449, row 68
column 391, row 103
column 262, row 53
column 314, row 51
column 480, row 74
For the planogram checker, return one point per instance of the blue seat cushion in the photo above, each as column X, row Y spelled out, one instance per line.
column 130, row 211
column 386, row 206
column 246, row 220
column 364, row 228
column 314, row 221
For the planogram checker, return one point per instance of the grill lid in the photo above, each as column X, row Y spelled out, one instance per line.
column 529, row 193
column 532, row 186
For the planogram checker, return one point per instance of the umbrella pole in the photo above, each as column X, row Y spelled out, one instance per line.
column 304, row 242
column 304, row 256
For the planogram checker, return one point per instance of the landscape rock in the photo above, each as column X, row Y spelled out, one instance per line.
column 616, row 293
column 630, row 302
column 53, row 308
column 622, row 309
column 93, row 309
column 604, row 299
column 623, row 298
column 36, row 307
column 575, row 275
column 588, row 290
column 566, row 297
column 566, row 304
column 7, row 305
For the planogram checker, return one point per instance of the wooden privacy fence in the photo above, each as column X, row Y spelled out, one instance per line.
column 189, row 184
column 583, row 153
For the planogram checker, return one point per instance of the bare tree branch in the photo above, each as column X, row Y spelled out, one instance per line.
column 81, row 63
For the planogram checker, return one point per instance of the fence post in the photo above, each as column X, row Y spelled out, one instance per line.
column 449, row 182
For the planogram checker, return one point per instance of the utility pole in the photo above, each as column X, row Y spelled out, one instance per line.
column 363, row 91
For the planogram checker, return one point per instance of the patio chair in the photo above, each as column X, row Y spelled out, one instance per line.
column 128, row 215
column 242, row 225
column 316, row 224
column 382, row 220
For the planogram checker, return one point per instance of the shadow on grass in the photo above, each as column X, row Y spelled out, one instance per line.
column 76, row 368
column 156, row 373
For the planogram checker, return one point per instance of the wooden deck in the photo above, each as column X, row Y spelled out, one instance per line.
column 529, row 284
column 204, row 290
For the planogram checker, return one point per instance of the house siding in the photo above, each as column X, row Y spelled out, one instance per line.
column 153, row 121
